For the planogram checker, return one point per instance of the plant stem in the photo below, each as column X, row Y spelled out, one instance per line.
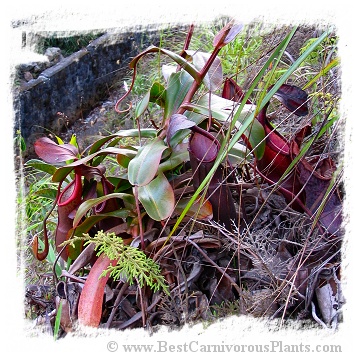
column 135, row 191
column 116, row 304
column 195, row 85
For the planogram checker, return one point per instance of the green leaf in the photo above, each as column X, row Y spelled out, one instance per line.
column 60, row 141
column 99, row 143
column 20, row 141
column 90, row 221
column 73, row 141
column 47, row 193
column 178, row 85
column 57, row 321
column 63, row 171
column 135, row 133
column 157, row 94
column 98, row 160
column 238, row 154
column 142, row 105
column 255, row 134
column 179, row 155
column 123, row 160
column 157, row 198
column 220, row 108
column 41, row 165
column 143, row 168
column 89, row 204
column 323, row 71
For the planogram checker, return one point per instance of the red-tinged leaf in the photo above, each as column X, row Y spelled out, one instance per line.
column 68, row 201
column 293, row 98
column 233, row 92
column 123, row 160
column 177, row 122
column 143, row 168
column 90, row 172
column 277, row 155
column 91, row 298
column 106, row 151
column 202, row 211
column 317, row 178
column 204, row 147
column 227, row 34
column 53, row 153
column 203, row 152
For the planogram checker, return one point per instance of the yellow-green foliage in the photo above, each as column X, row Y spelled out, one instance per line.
column 132, row 265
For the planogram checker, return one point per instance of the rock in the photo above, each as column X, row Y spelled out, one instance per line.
column 28, row 76
column 54, row 54
column 26, row 67
column 40, row 66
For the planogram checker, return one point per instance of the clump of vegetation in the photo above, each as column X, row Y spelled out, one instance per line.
column 209, row 193
column 67, row 44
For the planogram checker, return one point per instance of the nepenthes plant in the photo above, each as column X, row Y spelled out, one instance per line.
column 190, row 167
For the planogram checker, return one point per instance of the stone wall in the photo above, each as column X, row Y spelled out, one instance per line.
column 76, row 84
